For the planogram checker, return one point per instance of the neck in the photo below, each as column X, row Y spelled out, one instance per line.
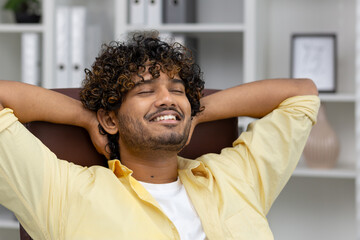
column 151, row 166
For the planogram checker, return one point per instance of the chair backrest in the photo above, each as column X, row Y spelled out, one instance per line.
column 73, row 143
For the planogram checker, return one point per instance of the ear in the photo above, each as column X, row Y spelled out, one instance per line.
column 108, row 120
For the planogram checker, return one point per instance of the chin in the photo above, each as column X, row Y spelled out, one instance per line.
column 170, row 142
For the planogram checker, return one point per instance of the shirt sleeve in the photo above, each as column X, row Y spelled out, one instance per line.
column 30, row 177
column 267, row 153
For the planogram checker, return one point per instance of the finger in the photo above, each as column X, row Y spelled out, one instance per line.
column 190, row 133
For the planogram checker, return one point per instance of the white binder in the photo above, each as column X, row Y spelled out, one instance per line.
column 30, row 58
column 154, row 12
column 62, row 51
column 138, row 12
column 78, row 44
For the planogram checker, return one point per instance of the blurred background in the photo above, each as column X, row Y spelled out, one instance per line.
column 50, row 43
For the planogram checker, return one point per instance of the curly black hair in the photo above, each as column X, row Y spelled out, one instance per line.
column 113, row 71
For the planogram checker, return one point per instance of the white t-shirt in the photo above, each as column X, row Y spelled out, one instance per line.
column 175, row 203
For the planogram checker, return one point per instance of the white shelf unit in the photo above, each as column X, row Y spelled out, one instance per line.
column 10, row 39
column 316, row 203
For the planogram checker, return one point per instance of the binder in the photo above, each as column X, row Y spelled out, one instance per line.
column 78, row 42
column 62, row 51
column 154, row 12
column 180, row 11
column 30, row 58
column 138, row 12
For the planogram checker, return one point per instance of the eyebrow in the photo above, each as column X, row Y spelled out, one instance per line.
column 149, row 81
column 177, row 80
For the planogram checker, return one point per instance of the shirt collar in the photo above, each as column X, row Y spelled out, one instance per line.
column 118, row 169
column 196, row 167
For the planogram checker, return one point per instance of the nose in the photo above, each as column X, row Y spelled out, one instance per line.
column 164, row 98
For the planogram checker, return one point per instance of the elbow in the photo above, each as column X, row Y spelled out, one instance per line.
column 308, row 87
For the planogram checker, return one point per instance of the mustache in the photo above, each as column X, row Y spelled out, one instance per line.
column 150, row 115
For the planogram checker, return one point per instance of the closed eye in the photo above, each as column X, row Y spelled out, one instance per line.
column 145, row 92
column 177, row 91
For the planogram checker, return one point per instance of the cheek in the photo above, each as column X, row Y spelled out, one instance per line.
column 186, row 107
column 135, row 109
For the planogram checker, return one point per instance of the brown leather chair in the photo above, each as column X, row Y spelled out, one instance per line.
column 74, row 144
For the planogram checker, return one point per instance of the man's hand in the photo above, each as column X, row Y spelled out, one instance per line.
column 194, row 123
column 99, row 140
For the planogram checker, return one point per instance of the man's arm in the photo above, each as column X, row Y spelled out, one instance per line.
column 255, row 99
column 32, row 103
column 267, row 153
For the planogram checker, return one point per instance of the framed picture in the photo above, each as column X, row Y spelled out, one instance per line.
column 314, row 56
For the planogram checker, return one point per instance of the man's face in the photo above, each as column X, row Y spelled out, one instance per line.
column 155, row 115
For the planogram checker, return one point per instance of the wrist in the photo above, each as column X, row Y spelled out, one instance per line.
column 86, row 119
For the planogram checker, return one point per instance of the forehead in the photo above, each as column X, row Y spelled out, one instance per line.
column 146, row 81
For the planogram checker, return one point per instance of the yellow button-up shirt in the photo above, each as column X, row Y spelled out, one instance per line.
column 231, row 192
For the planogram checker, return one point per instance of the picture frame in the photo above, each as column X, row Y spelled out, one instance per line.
column 314, row 56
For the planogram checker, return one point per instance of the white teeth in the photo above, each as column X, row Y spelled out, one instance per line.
column 165, row 117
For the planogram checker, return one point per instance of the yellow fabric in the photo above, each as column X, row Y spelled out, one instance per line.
column 231, row 192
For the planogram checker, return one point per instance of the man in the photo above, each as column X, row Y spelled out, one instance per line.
column 144, row 96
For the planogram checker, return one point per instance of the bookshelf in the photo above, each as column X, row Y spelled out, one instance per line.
column 316, row 203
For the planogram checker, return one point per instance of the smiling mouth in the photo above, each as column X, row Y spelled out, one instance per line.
column 164, row 118
column 168, row 115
